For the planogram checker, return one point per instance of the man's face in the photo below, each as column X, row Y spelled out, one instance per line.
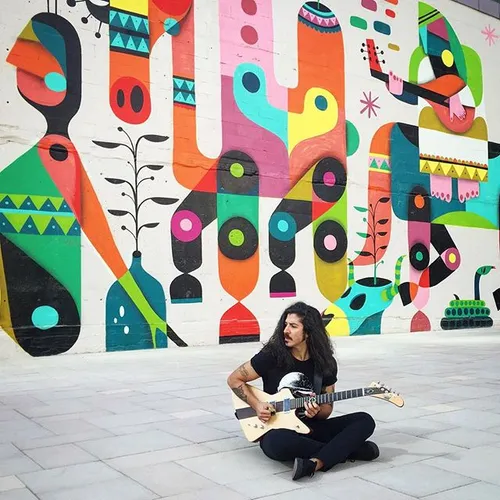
column 294, row 331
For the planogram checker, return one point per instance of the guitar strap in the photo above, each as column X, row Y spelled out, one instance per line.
column 318, row 380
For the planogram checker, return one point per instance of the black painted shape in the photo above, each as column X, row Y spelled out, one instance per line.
column 43, row 290
column 282, row 283
column 330, row 194
column 59, row 116
column 442, row 241
column 496, row 296
column 185, row 288
column 250, row 242
column 281, row 253
column 404, row 293
column 188, row 255
column 247, row 184
column 493, row 150
column 419, row 214
column 410, row 132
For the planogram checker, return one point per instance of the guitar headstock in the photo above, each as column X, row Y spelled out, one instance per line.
column 380, row 391
column 372, row 52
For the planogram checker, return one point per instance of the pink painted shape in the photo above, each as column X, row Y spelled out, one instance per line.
column 266, row 149
column 369, row 5
column 467, row 190
column 234, row 51
column 441, row 187
column 438, row 28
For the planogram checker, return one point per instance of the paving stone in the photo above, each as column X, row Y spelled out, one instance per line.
column 51, row 457
column 479, row 491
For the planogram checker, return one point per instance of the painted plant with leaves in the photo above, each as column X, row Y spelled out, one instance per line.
column 133, row 185
column 126, row 328
column 376, row 230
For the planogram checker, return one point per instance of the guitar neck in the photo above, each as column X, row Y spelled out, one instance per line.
column 331, row 397
column 413, row 89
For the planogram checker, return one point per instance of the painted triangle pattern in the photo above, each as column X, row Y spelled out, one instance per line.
column 33, row 203
column 129, row 43
column 128, row 21
column 380, row 163
column 184, row 91
column 454, row 170
column 38, row 224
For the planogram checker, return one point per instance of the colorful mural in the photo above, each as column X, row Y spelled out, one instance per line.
column 308, row 130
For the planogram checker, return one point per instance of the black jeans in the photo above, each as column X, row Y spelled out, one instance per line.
column 332, row 441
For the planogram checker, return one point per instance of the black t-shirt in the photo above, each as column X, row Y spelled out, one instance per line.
column 275, row 378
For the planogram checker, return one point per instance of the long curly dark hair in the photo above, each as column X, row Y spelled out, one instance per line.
column 318, row 342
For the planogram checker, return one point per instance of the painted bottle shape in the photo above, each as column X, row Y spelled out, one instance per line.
column 126, row 327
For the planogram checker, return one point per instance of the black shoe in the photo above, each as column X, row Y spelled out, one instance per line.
column 303, row 467
column 369, row 451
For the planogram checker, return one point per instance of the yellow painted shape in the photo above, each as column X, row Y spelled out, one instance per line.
column 312, row 122
column 303, row 189
column 338, row 325
column 429, row 120
column 132, row 6
column 447, row 58
column 28, row 33
column 5, row 319
column 331, row 278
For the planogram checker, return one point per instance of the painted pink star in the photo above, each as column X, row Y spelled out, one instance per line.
column 370, row 105
column 490, row 35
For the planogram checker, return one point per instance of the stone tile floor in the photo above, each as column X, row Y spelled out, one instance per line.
column 151, row 425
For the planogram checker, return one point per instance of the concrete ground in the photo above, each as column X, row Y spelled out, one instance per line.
column 147, row 425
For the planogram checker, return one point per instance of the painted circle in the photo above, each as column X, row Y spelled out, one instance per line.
column 251, row 82
column 282, row 226
column 451, row 258
column 174, row 7
column 58, row 152
column 237, row 174
column 447, row 58
column 249, row 7
column 55, row 82
column 321, row 103
column 240, row 231
column 327, row 232
column 237, row 170
column 130, row 100
column 236, row 237
column 45, row 317
column 419, row 256
column 329, row 169
column 186, row 226
column 249, row 35
column 352, row 138
column 329, row 179
column 330, row 242
column 419, row 201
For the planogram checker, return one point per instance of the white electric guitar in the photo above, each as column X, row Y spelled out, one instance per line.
column 295, row 390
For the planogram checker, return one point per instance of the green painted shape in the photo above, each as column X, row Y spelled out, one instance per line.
column 416, row 59
column 352, row 138
column 457, row 51
column 28, row 176
column 474, row 73
column 59, row 255
column 237, row 205
column 358, row 22
column 465, row 219
column 423, row 10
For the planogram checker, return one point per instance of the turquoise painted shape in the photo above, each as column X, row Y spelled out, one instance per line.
column 55, row 82
column 126, row 327
column 45, row 317
column 486, row 204
column 250, row 94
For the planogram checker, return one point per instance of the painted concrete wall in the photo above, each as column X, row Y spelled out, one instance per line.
column 177, row 172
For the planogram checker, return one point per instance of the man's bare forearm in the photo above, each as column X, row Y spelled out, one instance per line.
column 240, row 388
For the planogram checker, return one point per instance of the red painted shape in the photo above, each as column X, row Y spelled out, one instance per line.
column 60, row 159
column 319, row 208
column 394, row 2
column 236, row 322
column 208, row 183
column 174, row 8
column 420, row 323
column 390, row 13
column 425, row 279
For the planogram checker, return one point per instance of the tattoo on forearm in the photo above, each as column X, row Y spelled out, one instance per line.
column 243, row 371
column 241, row 393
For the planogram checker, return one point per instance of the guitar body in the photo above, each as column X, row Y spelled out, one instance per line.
column 254, row 429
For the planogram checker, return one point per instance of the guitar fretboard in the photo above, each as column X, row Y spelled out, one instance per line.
column 328, row 397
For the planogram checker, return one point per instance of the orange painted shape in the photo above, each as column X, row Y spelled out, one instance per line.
column 393, row 2
column 239, row 277
column 238, row 321
column 96, row 227
column 447, row 85
column 62, row 163
column 25, row 52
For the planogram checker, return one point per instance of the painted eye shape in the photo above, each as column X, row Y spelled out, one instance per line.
column 358, row 302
